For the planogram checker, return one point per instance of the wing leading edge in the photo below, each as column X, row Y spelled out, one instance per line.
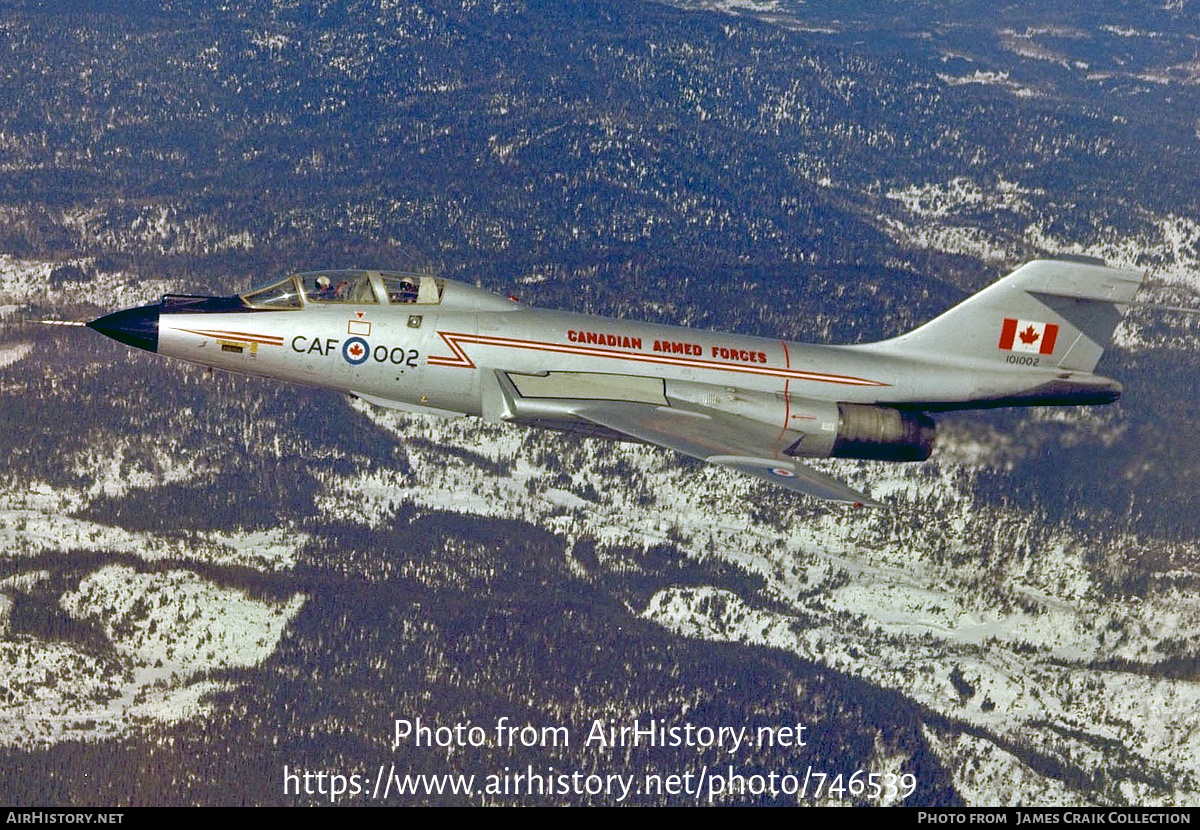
column 714, row 438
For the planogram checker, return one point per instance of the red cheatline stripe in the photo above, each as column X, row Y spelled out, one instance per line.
column 461, row 360
column 265, row 339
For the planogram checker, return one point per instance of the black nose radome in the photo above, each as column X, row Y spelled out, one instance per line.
column 133, row 326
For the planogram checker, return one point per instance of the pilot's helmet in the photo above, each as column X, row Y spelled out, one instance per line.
column 323, row 282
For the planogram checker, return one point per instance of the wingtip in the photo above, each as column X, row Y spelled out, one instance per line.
column 866, row 501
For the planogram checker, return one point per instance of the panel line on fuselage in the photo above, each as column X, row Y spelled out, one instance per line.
column 787, row 397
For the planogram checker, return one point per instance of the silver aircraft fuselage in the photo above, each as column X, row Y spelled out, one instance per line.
column 424, row 344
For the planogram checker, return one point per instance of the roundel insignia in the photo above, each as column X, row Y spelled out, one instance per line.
column 356, row 351
column 782, row 472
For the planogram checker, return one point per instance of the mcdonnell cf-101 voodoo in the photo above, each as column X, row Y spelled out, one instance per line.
column 420, row 343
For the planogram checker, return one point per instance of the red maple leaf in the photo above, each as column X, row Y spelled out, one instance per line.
column 1029, row 335
column 356, row 350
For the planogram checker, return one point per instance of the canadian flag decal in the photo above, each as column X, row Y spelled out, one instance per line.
column 1028, row 336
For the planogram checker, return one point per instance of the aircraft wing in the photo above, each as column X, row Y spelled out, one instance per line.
column 717, row 438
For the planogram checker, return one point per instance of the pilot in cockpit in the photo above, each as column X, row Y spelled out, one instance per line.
column 404, row 291
column 324, row 291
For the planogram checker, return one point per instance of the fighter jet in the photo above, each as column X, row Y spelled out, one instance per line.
column 420, row 343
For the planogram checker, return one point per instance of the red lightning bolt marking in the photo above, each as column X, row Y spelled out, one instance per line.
column 461, row 360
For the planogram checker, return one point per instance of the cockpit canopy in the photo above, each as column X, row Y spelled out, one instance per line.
column 353, row 287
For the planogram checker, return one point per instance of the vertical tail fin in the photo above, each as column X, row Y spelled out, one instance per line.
column 1063, row 313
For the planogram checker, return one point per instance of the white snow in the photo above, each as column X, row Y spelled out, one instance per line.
column 28, row 281
column 996, row 79
column 12, row 352
column 937, row 201
column 946, row 217
column 166, row 628
column 1022, row 635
